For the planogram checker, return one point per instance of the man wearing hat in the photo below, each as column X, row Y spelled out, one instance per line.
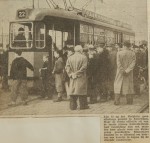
column 20, row 40
column 123, row 84
column 91, row 73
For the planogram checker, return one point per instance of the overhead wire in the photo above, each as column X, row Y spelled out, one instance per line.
column 48, row 3
column 87, row 3
column 51, row 3
column 71, row 4
column 65, row 4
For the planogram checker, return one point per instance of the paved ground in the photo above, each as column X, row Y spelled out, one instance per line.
column 37, row 106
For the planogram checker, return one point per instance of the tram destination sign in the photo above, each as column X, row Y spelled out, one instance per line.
column 95, row 16
column 21, row 14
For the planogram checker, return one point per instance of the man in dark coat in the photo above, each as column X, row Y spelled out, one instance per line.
column 58, row 72
column 145, row 61
column 76, row 67
column 44, row 72
column 103, row 73
column 5, row 85
column 91, row 74
column 18, row 73
column 136, row 71
column 20, row 40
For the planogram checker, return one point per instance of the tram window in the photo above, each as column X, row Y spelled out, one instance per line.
column 99, row 35
column 58, row 35
column 84, row 38
column 68, row 38
column 110, row 37
column 21, row 35
column 40, row 35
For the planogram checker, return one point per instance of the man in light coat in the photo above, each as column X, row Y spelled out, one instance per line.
column 76, row 67
column 123, row 84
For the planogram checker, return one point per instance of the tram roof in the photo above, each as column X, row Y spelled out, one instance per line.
column 40, row 14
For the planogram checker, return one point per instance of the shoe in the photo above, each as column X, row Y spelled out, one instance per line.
column 83, row 108
column 116, row 103
column 47, row 98
column 91, row 102
column 24, row 103
column 42, row 97
column 12, row 104
column 65, row 99
column 59, row 99
column 103, row 100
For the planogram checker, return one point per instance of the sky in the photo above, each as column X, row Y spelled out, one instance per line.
column 130, row 11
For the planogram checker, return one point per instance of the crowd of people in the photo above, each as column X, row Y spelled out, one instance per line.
column 91, row 74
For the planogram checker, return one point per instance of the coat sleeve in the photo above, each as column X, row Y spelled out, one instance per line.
column 132, row 64
column 68, row 69
column 119, row 66
column 29, row 65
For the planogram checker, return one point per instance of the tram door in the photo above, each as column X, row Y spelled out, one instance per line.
column 62, row 34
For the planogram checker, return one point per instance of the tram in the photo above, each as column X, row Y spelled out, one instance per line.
column 45, row 29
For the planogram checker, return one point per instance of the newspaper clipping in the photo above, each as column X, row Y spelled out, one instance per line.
column 78, row 68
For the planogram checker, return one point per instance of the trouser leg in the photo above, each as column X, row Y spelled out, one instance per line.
column 117, row 99
column 137, row 87
column 129, row 98
column 43, row 88
column 48, row 89
column 67, row 89
column 14, row 90
column 73, row 102
column 93, row 95
column 98, row 91
column 83, row 102
column 5, row 82
column 104, row 92
column 60, row 94
column 23, row 90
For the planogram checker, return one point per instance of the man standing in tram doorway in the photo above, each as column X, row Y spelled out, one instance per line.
column 76, row 67
column 123, row 84
column 18, row 73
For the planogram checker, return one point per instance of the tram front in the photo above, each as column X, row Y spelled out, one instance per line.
column 39, row 35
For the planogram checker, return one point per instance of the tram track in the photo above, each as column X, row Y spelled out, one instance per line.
column 143, row 108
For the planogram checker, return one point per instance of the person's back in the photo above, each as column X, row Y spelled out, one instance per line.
column 125, row 57
column 123, row 84
column 18, row 73
column 19, row 68
column 76, row 61
column 76, row 67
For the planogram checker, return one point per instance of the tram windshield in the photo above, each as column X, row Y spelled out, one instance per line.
column 21, row 35
column 39, row 35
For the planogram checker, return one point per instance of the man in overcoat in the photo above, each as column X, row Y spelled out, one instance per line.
column 76, row 67
column 113, row 69
column 123, row 84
